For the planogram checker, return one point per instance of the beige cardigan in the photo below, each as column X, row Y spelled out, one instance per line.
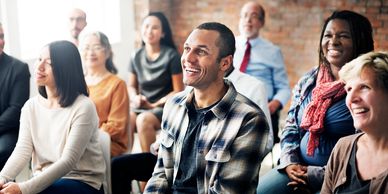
column 335, row 174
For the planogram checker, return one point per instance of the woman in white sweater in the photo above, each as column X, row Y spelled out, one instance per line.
column 58, row 131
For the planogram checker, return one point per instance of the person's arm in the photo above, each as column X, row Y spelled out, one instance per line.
column 335, row 170
column 84, row 125
column 132, row 85
column 118, row 116
column 177, row 86
column 175, row 69
column 315, row 176
column 260, row 97
column 158, row 183
column 21, row 155
column 281, row 85
column 239, row 169
column 19, row 93
column 290, row 140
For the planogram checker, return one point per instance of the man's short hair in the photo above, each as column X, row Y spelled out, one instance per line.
column 262, row 14
column 226, row 42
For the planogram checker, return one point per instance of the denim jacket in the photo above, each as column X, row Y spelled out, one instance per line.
column 292, row 133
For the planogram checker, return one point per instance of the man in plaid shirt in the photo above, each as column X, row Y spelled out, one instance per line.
column 212, row 138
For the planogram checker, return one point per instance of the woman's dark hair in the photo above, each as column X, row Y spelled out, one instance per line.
column 104, row 41
column 67, row 70
column 360, row 29
column 166, row 40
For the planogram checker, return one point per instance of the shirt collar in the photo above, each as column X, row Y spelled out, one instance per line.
column 255, row 41
column 221, row 109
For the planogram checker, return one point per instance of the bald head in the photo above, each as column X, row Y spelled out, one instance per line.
column 77, row 22
column 252, row 18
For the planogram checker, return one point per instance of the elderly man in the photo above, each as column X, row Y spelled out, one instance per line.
column 77, row 22
column 262, row 59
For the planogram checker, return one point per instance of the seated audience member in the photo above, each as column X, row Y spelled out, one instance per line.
column 155, row 74
column 318, row 115
column 77, row 22
column 58, row 131
column 212, row 138
column 141, row 165
column 107, row 90
column 14, row 92
column 359, row 163
column 263, row 60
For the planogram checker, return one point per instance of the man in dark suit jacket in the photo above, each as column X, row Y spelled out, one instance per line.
column 14, row 92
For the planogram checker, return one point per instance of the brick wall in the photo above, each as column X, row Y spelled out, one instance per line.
column 294, row 25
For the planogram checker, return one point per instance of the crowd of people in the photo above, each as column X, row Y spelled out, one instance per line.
column 215, row 107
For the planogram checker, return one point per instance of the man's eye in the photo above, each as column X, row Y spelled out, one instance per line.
column 201, row 52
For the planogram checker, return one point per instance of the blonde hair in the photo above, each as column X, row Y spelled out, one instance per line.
column 375, row 61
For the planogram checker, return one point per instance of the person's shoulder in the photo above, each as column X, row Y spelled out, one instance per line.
column 138, row 52
column 343, row 147
column 248, row 79
column 240, row 39
column 31, row 101
column 14, row 61
column 268, row 44
column 241, row 102
column 348, row 140
column 170, row 51
column 115, row 79
column 310, row 74
column 180, row 96
column 83, row 102
column 245, row 102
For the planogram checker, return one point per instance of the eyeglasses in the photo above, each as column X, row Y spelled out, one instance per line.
column 77, row 19
column 95, row 48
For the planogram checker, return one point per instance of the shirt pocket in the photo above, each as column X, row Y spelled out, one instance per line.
column 167, row 151
column 217, row 155
column 167, row 140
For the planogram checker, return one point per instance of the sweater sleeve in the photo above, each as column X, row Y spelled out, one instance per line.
column 117, row 120
column 23, row 150
column 84, row 125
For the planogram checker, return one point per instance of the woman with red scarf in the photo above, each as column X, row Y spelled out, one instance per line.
column 318, row 115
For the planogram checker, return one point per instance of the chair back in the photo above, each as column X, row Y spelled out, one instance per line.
column 104, row 139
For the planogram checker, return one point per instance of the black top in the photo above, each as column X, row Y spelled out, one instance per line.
column 354, row 185
column 186, row 180
column 14, row 91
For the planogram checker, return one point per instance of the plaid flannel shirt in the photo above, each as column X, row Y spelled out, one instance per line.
column 231, row 145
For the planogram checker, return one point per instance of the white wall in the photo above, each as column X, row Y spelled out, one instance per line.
column 122, row 49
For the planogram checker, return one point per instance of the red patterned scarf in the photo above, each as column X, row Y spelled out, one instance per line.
column 326, row 92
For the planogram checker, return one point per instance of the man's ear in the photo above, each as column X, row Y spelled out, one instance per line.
column 226, row 62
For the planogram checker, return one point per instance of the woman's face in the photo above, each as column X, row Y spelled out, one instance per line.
column 43, row 70
column 337, row 45
column 151, row 30
column 93, row 53
column 366, row 101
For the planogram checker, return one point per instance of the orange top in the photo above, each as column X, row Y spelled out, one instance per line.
column 112, row 103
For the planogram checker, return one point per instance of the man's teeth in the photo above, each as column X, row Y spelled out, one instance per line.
column 359, row 110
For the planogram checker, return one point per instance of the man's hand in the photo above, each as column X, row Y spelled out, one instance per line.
column 154, row 148
column 273, row 106
column 10, row 188
column 298, row 175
